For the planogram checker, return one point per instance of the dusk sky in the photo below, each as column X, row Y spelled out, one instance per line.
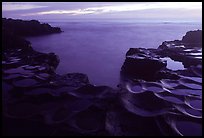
column 165, row 11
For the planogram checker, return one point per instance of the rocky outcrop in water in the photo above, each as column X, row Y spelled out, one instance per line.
column 27, row 28
column 188, row 50
column 13, row 32
column 193, row 39
column 171, row 98
column 142, row 63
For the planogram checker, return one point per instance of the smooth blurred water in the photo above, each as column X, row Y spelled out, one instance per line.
column 98, row 48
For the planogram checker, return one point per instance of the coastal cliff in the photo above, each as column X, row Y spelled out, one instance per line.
column 27, row 28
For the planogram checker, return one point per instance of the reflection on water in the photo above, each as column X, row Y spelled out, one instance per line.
column 173, row 65
column 196, row 54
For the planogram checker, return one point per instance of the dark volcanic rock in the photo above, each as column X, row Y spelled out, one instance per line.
column 188, row 51
column 150, row 89
column 14, row 30
column 20, row 50
column 193, row 39
column 28, row 28
column 36, row 100
column 30, row 60
column 10, row 41
column 147, row 64
column 141, row 64
column 55, row 104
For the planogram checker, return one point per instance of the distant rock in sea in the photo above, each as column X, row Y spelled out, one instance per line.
column 13, row 32
column 28, row 28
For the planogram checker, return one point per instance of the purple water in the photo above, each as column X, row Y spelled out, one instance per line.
column 98, row 48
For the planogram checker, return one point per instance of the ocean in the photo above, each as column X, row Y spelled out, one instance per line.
column 98, row 48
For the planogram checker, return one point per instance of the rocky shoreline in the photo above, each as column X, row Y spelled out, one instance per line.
column 37, row 101
column 171, row 96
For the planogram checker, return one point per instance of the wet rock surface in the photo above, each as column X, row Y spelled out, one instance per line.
column 37, row 101
column 58, row 104
column 173, row 98
column 142, row 63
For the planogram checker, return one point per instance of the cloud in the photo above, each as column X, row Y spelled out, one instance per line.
column 123, row 7
column 111, row 10
column 13, row 6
